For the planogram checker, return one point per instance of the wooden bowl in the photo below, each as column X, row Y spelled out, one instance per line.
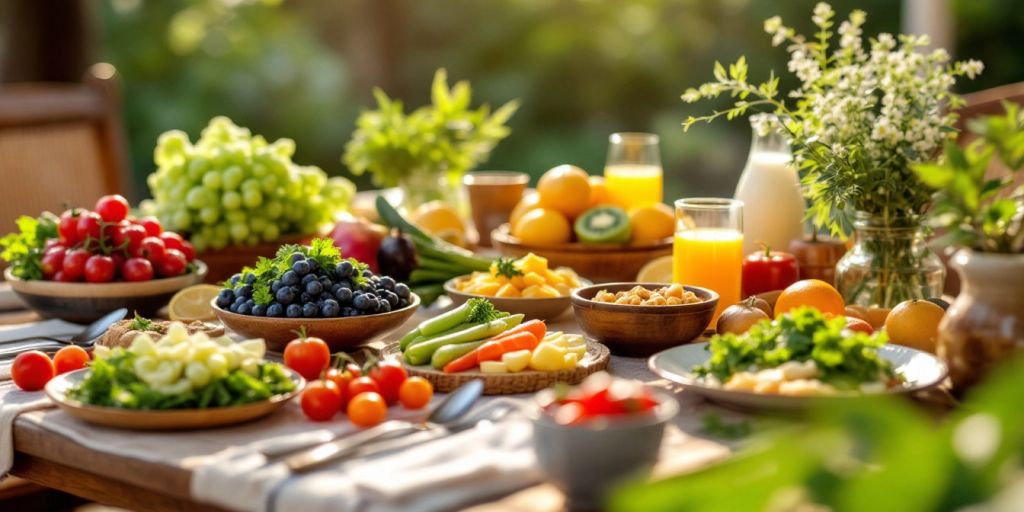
column 340, row 333
column 640, row 331
column 84, row 302
column 540, row 309
column 600, row 263
column 224, row 263
column 171, row 419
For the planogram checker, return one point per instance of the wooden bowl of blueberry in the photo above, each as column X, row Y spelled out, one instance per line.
column 312, row 287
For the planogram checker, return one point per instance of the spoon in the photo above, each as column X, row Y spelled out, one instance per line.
column 11, row 348
column 451, row 408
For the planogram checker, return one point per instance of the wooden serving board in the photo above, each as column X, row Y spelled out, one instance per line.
column 527, row 381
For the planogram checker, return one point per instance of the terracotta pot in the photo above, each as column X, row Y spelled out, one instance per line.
column 985, row 324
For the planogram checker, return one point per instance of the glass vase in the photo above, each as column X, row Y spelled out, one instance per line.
column 421, row 186
column 888, row 263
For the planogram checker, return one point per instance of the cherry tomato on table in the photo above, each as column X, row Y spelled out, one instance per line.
column 307, row 355
column 31, row 370
column 389, row 376
column 367, row 409
column 341, row 378
column 69, row 359
column 361, row 385
column 321, row 400
column 415, row 393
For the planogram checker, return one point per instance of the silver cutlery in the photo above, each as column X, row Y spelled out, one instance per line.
column 9, row 349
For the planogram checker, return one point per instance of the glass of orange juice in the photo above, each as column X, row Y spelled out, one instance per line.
column 633, row 171
column 708, row 248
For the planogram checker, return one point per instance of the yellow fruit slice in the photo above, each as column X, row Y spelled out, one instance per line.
column 516, row 361
column 193, row 303
column 493, row 367
column 658, row 270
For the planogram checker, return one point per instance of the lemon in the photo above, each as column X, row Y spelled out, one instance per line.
column 658, row 270
column 436, row 217
column 193, row 303
column 653, row 223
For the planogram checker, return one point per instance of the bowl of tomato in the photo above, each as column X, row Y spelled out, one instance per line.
column 594, row 436
column 85, row 263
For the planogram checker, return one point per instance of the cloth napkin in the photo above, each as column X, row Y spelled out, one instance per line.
column 423, row 472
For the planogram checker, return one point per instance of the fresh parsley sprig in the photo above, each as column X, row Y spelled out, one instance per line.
column 506, row 267
column 24, row 249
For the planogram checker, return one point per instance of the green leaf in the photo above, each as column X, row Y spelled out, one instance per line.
column 934, row 175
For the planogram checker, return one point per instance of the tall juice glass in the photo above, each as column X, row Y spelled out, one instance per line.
column 633, row 171
column 708, row 248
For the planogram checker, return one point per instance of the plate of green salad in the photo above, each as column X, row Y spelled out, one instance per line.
column 179, row 381
column 794, row 360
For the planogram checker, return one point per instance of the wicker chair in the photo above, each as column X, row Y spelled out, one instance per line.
column 60, row 144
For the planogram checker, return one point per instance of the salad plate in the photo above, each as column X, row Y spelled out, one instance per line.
column 169, row 419
column 919, row 371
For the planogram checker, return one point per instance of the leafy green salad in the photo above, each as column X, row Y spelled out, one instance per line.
column 841, row 359
column 181, row 371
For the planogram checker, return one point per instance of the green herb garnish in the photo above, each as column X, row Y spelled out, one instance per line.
column 140, row 323
column 715, row 426
column 24, row 249
column 843, row 360
column 481, row 311
column 506, row 267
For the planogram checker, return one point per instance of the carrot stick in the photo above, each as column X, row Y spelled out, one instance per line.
column 537, row 327
column 492, row 351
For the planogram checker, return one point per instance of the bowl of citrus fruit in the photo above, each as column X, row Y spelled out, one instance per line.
column 527, row 285
column 571, row 220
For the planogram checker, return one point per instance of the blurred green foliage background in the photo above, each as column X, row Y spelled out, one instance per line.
column 582, row 69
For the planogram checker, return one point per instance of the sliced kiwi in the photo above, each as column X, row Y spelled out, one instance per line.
column 603, row 225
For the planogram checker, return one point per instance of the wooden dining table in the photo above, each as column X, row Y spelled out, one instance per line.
column 54, row 461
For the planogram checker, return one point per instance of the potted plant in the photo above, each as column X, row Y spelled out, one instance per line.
column 427, row 151
column 860, row 118
column 985, row 218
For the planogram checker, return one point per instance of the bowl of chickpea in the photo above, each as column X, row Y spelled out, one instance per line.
column 640, row 319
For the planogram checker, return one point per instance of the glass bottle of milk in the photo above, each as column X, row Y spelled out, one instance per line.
column 773, row 204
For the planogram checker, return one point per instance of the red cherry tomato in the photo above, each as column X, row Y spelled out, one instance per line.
column 32, row 370
column 67, row 229
column 137, row 269
column 389, row 375
column 321, row 400
column 341, row 378
column 152, row 225
column 69, row 359
column 89, row 226
column 856, row 324
column 112, row 208
column 307, row 355
column 129, row 237
column 74, row 264
column 53, row 261
column 354, row 370
column 99, row 269
column 60, row 276
column 171, row 240
column 362, row 385
column 767, row 270
column 172, row 264
column 151, row 248
column 188, row 250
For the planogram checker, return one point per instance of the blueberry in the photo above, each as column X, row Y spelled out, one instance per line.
column 388, row 283
column 309, row 310
column 249, row 279
column 233, row 307
column 225, row 298
column 244, row 309
column 326, row 282
column 367, row 273
column 325, row 295
column 234, row 280
column 245, row 291
column 347, row 311
column 250, row 303
column 259, row 310
column 365, row 287
column 301, row 267
column 296, row 256
column 307, row 278
column 361, row 302
column 293, row 311
column 344, row 269
column 334, row 288
column 290, row 278
column 305, row 297
column 344, row 295
column 330, row 309
column 285, row 295
column 383, row 306
column 313, row 265
column 239, row 301
column 275, row 285
column 275, row 309
column 402, row 290
column 391, row 298
column 314, row 287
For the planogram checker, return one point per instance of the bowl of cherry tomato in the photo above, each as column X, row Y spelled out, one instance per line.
column 85, row 263
column 590, row 437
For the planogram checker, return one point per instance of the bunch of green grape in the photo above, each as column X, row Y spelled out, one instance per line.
column 232, row 187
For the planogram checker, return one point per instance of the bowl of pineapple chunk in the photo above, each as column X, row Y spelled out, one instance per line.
column 526, row 285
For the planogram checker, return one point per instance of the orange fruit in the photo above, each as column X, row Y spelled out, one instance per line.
column 599, row 193
column 859, row 312
column 542, row 226
column 565, row 189
column 652, row 223
column 810, row 292
column 437, row 216
column 877, row 316
column 527, row 203
column 856, row 324
column 914, row 323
